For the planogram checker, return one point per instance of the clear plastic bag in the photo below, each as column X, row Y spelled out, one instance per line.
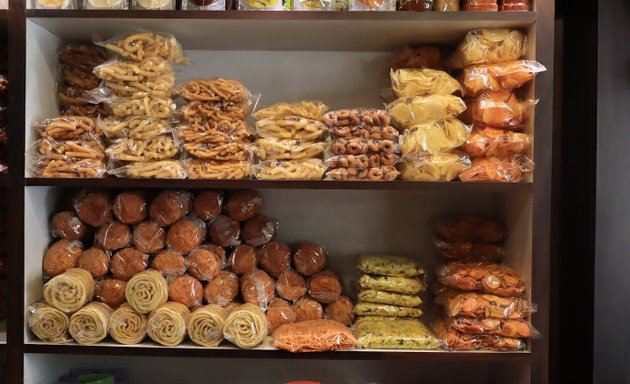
column 422, row 82
column 508, row 170
column 489, row 46
column 481, row 5
column 500, row 327
column 67, row 225
column 136, row 150
column 223, row 289
column 491, row 142
column 364, row 147
column 215, row 90
column 47, row 323
column 363, row 161
column 203, row 5
column 138, row 46
column 106, row 4
column 314, row 336
column 422, row 57
column 382, row 173
column 95, row 261
column 308, row 109
column 402, row 285
column 357, row 116
column 290, row 128
column 200, row 112
column 437, row 167
column 148, row 237
column 325, row 287
column 54, row 4
column 501, row 109
column 291, row 285
column 68, row 128
column 494, row 77
column 186, row 234
column 134, row 127
column 469, row 251
column 218, row 170
column 395, row 334
column 146, row 106
column 205, row 263
column 185, row 290
column 82, row 56
column 383, row 297
column 409, row 111
column 470, row 228
column 170, row 264
column 435, row 137
column 371, row 309
column 259, row 230
column 312, row 5
column 515, row 5
column 493, row 279
column 389, row 265
column 261, row 5
column 214, row 133
column 88, row 147
column 480, row 305
column 258, row 288
column 309, row 258
column 364, row 131
column 280, row 314
column 246, row 326
column 458, row 341
column 165, row 169
column 228, row 151
column 446, row 5
column 89, row 325
column 308, row 169
column 82, row 168
column 271, row 149
column 372, row 5
column 61, row 256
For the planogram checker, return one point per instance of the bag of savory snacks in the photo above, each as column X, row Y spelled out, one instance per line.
column 404, row 285
column 394, row 334
column 389, row 265
column 314, row 336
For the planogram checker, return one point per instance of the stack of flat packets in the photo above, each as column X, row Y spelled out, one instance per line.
column 388, row 310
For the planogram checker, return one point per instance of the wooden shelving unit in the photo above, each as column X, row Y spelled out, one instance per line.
column 287, row 56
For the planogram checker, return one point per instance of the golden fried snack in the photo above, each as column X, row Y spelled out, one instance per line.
column 157, row 148
column 205, row 263
column 354, row 146
column 93, row 207
column 308, row 308
column 164, row 169
column 86, row 168
column 61, row 256
column 208, row 204
column 458, row 341
column 166, row 325
column 69, row 291
column 92, row 110
column 494, row 279
column 72, row 96
column 243, row 259
column 146, row 291
column 435, row 137
column 290, row 128
column 138, row 46
column 257, row 288
column 68, row 127
column 493, row 77
column 404, row 285
column 244, row 204
column 325, row 287
column 423, row 57
column 130, row 207
column 384, row 173
column 469, row 251
column 383, row 297
column 470, row 228
column 259, row 230
column 147, row 106
column 291, row 285
column 47, row 323
column 341, row 310
column 169, row 206
column 308, row 169
column 246, row 326
column 314, row 336
column 362, row 162
column 409, row 111
column 371, row 309
column 205, row 326
column 278, row 315
column 308, row 109
column 89, row 324
column 509, row 170
column 357, row 116
column 134, row 127
column 186, row 234
column 270, row 149
column 491, row 142
column 82, row 56
column 148, row 237
column 222, row 289
column 501, row 109
column 113, row 236
column 215, row 133
column 388, row 265
column 217, row 111
column 185, row 290
column 365, row 132
column 80, row 78
column 127, row 326
column 218, row 89
column 204, row 169
column 501, row 327
column 309, row 258
column 170, row 264
column 436, row 167
column 67, row 225
column 128, row 262
column 489, row 46
column 127, row 71
column 391, row 333
column 480, row 305
column 422, row 82
column 94, row 260
column 231, row 151
column 111, row 292
column 160, row 87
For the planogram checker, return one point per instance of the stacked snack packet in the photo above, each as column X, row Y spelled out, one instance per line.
column 215, row 133
column 484, row 302
column 138, row 84
column 427, row 111
column 290, row 141
column 491, row 78
column 71, row 145
column 364, row 146
column 388, row 307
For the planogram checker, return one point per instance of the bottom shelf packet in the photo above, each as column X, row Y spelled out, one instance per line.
column 508, row 170
column 458, row 341
column 218, row 170
column 395, row 334
column 308, row 169
column 165, row 169
column 371, row 309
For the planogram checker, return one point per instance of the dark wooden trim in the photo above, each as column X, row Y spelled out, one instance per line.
column 155, row 350
column 281, row 15
column 295, row 184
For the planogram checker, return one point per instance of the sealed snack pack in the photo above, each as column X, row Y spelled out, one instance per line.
column 423, row 57
column 163, row 169
column 479, row 305
column 422, row 82
column 308, row 109
column 373, row 309
column 314, row 336
column 389, row 298
column 494, row 279
column 395, row 334
column 389, row 265
column 493, row 77
column 470, row 228
column 517, row 328
column 138, row 46
column 492, row 142
column 508, row 170
column 307, row 169
column 402, row 285
column 501, row 109
column 204, row 5
column 467, row 250
column 372, row 5
column 436, row 167
column 489, row 46
column 261, row 5
column 438, row 136
column 408, row 111
column 459, row 341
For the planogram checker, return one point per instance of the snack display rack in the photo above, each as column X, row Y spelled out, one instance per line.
column 337, row 56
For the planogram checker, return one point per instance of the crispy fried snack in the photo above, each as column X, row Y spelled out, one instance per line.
column 494, row 279
column 138, row 46
column 204, row 169
column 491, row 142
column 219, row 89
column 309, row 169
column 307, row 109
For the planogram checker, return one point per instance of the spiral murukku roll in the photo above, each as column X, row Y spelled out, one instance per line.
column 47, row 323
column 246, row 326
column 205, row 326
column 166, row 325
column 146, row 291
column 127, row 326
column 69, row 291
column 89, row 324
